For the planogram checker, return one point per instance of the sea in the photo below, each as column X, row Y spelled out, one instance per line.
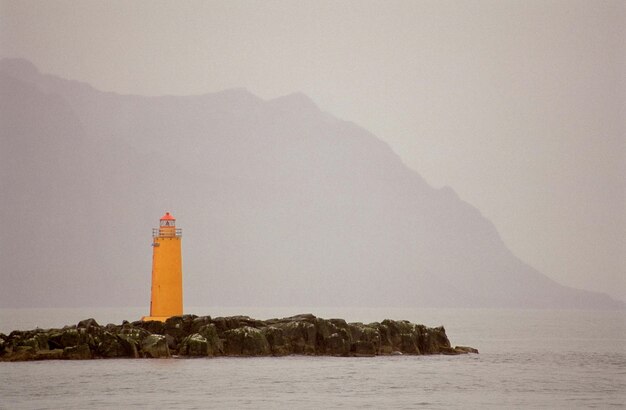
column 529, row 359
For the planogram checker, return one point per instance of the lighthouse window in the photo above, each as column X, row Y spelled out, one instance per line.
column 167, row 223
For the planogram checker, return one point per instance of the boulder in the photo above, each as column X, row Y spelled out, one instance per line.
column 38, row 341
column 131, row 339
column 20, row 354
column 155, row 346
column 466, row 349
column 236, row 322
column 171, row 342
column 199, row 322
column 152, row 326
column 245, row 341
column 194, row 345
column 178, row 327
column 88, row 324
column 366, row 339
column 55, row 354
column 214, row 343
column 80, row 352
column 204, row 342
column 408, row 343
column 337, row 344
column 276, row 341
column 299, row 336
column 60, row 339
column 109, row 346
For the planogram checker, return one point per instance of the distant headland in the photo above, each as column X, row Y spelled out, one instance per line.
column 273, row 192
column 203, row 336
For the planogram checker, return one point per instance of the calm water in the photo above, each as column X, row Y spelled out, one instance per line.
column 529, row 359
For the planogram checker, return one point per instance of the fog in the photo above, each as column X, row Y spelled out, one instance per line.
column 517, row 106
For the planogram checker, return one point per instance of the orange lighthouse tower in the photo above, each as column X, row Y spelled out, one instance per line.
column 167, row 271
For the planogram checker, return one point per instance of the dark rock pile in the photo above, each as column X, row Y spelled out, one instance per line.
column 191, row 335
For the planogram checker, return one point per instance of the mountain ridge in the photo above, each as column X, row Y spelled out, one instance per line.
column 289, row 201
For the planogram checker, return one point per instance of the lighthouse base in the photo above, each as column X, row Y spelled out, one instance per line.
column 155, row 318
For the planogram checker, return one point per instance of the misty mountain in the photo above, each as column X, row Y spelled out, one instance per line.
column 281, row 204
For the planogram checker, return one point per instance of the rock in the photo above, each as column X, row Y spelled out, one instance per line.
column 245, row 341
column 299, row 336
column 360, row 348
column 80, row 352
column 152, row 326
column 20, row 354
column 129, row 346
column 171, row 342
column 111, row 327
column 408, row 343
column 199, row 322
column 178, row 327
column 61, row 339
column 204, row 340
column 337, row 345
column 190, row 335
column 109, row 346
column 88, row 323
column 432, row 340
column 155, row 346
column 38, row 341
column 194, row 345
column 303, row 317
column 214, row 343
column 466, row 349
column 131, row 339
column 276, row 341
column 366, row 340
column 55, row 354
column 235, row 322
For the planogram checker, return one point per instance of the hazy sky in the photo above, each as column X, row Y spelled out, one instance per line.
column 519, row 106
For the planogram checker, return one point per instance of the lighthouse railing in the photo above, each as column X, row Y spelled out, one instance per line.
column 156, row 232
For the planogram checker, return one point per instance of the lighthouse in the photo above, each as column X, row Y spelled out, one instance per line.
column 167, row 271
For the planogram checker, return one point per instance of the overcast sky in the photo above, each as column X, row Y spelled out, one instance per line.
column 519, row 106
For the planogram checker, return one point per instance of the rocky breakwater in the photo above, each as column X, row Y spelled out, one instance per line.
column 196, row 336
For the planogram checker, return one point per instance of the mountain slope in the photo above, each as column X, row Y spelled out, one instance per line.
column 281, row 204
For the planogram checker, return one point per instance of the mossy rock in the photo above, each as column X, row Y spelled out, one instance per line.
column 408, row 343
column 152, row 326
column 54, row 354
column 199, row 322
column 230, row 336
column 246, row 341
column 179, row 327
column 80, row 352
column 61, row 339
column 194, row 345
column 88, row 324
column 155, row 346
column 338, row 344
column 131, row 339
column 209, row 332
column 38, row 340
column 109, row 345
column 301, row 336
column 276, row 341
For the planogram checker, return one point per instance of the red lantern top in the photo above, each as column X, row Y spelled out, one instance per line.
column 167, row 217
column 168, row 220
